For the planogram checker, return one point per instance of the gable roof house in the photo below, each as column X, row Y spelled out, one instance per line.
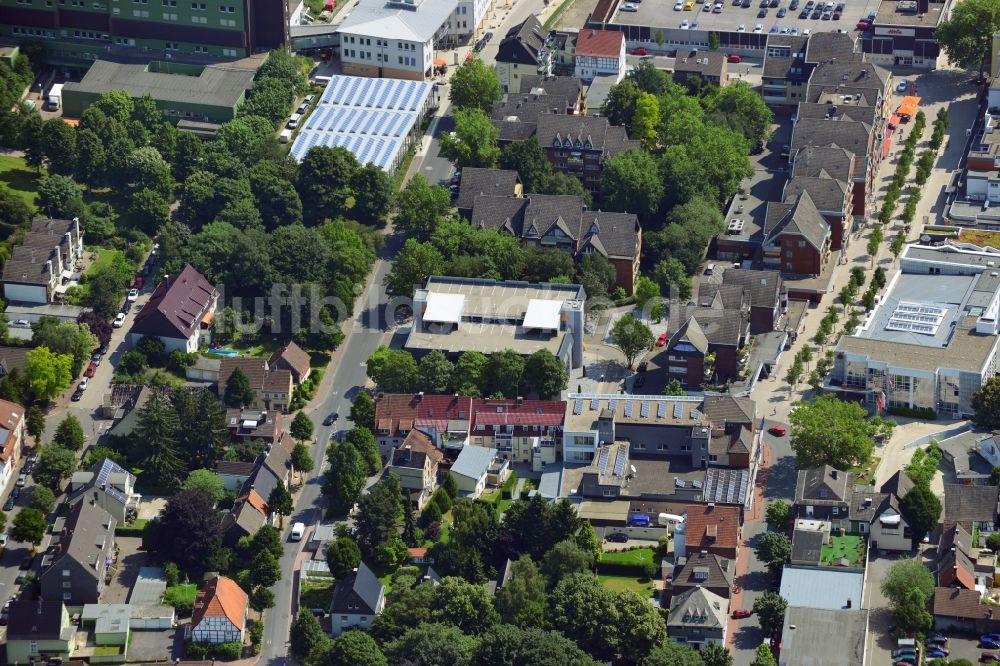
column 971, row 506
column 110, row 485
column 698, row 617
column 579, row 145
column 358, row 598
column 599, row 53
column 568, row 89
column 220, row 612
column 701, row 569
column 249, row 423
column 764, row 295
column 179, row 313
column 525, row 50
column 563, row 222
column 958, row 609
column 39, row 631
column 293, row 358
column 11, row 441
column 248, row 514
column 712, row 528
column 823, row 493
column 444, row 418
column 272, row 387
column 705, row 66
column 472, row 468
column 416, row 464
column 527, row 431
column 42, row 264
column 486, row 182
column 234, row 473
column 832, row 198
column 721, row 328
column 796, row 237
column 84, row 552
column 955, row 562
column 784, row 72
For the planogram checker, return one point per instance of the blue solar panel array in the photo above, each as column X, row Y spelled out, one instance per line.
column 369, row 117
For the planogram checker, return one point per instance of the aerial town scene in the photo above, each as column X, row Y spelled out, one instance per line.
column 500, row 332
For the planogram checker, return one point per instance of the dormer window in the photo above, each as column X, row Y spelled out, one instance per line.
column 567, row 144
column 823, row 493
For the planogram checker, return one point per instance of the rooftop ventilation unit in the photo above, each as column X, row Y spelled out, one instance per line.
column 735, row 227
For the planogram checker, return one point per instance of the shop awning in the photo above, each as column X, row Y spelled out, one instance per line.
column 440, row 62
column 893, row 120
column 886, row 145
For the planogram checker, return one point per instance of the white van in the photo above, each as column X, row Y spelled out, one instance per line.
column 286, row 136
column 293, row 122
column 709, row 269
column 298, row 530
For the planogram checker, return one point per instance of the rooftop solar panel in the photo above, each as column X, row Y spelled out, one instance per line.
column 594, row 404
column 628, row 408
column 644, row 410
column 612, row 404
column 678, row 410
column 578, row 407
column 620, row 464
column 661, row 410
column 602, row 462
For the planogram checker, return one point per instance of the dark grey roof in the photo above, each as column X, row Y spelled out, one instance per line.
column 476, row 181
column 702, row 63
column 801, row 217
column 618, row 233
column 762, row 287
column 522, row 43
column 722, row 296
column 690, row 332
column 898, row 484
column 795, row 42
column 848, row 134
column 721, row 327
column 833, row 161
column 27, row 261
column 234, row 468
column 780, row 67
column 525, row 108
column 566, row 87
column 87, row 527
column 603, row 136
column 497, row 212
column 834, row 111
column 514, row 130
column 359, row 586
column 865, row 504
column 727, row 408
column 825, row 46
column 822, row 486
column 852, row 72
column 806, row 546
column 965, row 504
column 828, row 194
column 35, row 620
column 704, row 569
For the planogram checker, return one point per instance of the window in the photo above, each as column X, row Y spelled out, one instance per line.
column 789, row 254
column 67, row 584
column 836, row 510
column 170, row 46
column 65, row 573
column 802, row 243
column 169, row 17
column 67, row 596
column 788, row 266
column 200, row 49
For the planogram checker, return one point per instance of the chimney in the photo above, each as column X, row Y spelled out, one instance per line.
column 922, row 6
column 834, row 474
column 849, row 602
column 420, row 396
column 711, row 506
column 520, row 400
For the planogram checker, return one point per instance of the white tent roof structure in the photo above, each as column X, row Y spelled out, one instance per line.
column 444, row 308
column 543, row 313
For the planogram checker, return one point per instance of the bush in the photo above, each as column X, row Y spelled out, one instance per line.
column 914, row 412
column 256, row 636
column 130, row 531
column 196, row 651
column 229, row 651
column 172, row 573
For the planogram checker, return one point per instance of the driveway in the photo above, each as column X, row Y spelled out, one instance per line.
column 155, row 645
column 126, row 570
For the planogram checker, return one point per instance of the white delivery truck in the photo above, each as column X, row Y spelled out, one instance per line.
column 298, row 531
column 54, row 102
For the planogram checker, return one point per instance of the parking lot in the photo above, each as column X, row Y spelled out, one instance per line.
column 663, row 14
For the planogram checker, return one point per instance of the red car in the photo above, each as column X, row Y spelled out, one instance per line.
column 662, row 340
column 777, row 431
column 641, row 51
column 741, row 613
column 91, row 369
column 734, row 58
column 862, row 25
column 138, row 282
column 989, row 658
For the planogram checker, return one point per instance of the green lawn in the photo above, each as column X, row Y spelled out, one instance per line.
column 316, row 592
column 641, row 586
column 849, row 546
column 184, row 593
column 19, row 177
column 866, row 474
column 638, row 557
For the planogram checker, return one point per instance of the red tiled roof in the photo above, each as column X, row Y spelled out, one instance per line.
column 417, row 552
column 393, row 411
column 220, row 597
column 603, row 43
column 11, row 414
column 512, row 412
column 953, row 602
column 717, row 526
column 418, row 441
column 255, row 500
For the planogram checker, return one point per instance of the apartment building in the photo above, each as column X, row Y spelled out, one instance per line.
column 74, row 33
column 526, row 49
column 42, row 264
column 579, row 145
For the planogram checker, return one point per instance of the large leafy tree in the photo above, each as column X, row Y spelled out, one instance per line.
column 770, row 611
column 473, row 141
column 774, row 549
column 69, row 434
column 527, row 158
column 274, row 195
column 373, row 193
column 475, row 85
column 302, row 427
column 378, row 510
column 65, row 338
column 584, row 611
column 468, row 375
column 741, row 109
column 238, row 392
column 324, row 182
column 306, row 634
column 432, row 643
column 596, row 275
column 669, row 653
column 29, row 526
column 763, row 656
column 714, row 654
column 828, row 431
column 909, row 586
column 187, row 531
column 967, row 34
column 545, row 374
column 413, row 265
column 631, row 336
column 353, row 647
column 419, row 207
column 206, row 481
column 435, row 372
column 502, row 373
column 631, row 183
column 344, row 479
column 363, row 440
column 343, row 556
column 363, row 411
column 986, row 404
column 47, row 373
column 922, row 509
column 523, row 601
column 204, row 434
column 505, row 644
column 55, row 465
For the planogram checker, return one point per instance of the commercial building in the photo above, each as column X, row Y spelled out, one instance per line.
column 75, row 33
column 932, row 340
column 903, row 33
column 395, row 38
column 823, row 588
column 526, row 49
column 375, row 119
column 455, row 315
column 599, row 53
column 197, row 97
column 44, row 263
column 982, row 179
column 563, row 222
column 823, row 637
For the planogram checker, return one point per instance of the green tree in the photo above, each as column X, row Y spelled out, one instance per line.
column 777, row 514
column 967, row 34
column 432, row 643
column 763, row 656
column 435, row 372
column 906, row 575
column 674, row 388
column 261, row 599
column 47, row 374
column 646, row 291
column 265, row 569
column 373, row 193
column 475, row 85
column 632, row 337
column 155, row 442
column 911, row 613
column 302, row 427
column 59, row 145
column 65, row 338
column 503, row 373
column 363, row 411
column 450, row 486
column 90, row 164
column 42, row 499
column 828, row 431
column 993, row 542
column 269, row 98
column 149, row 171
column 363, row 440
column 324, row 182
column 343, row 556
column 995, row 476
column 353, row 647
column 673, row 278
column 279, row 501
column 741, row 109
column 769, row 608
column 55, row 465
column 473, row 142
column 584, row 611
column 419, row 207
column 631, row 183
column 986, row 404
column 774, row 549
column 401, row 375
column 714, row 654
column 523, row 601
column 238, row 392
column 59, row 196
column 306, row 634
column 669, row 653
column 301, row 458
column 545, row 374
column 35, row 423
column 468, row 374
column 378, row 511
column 415, row 262
column 206, row 481
column 596, row 274
column 344, row 480
column 922, row 509
column 527, row 158
column 566, row 558
column 29, row 526
column 69, row 434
